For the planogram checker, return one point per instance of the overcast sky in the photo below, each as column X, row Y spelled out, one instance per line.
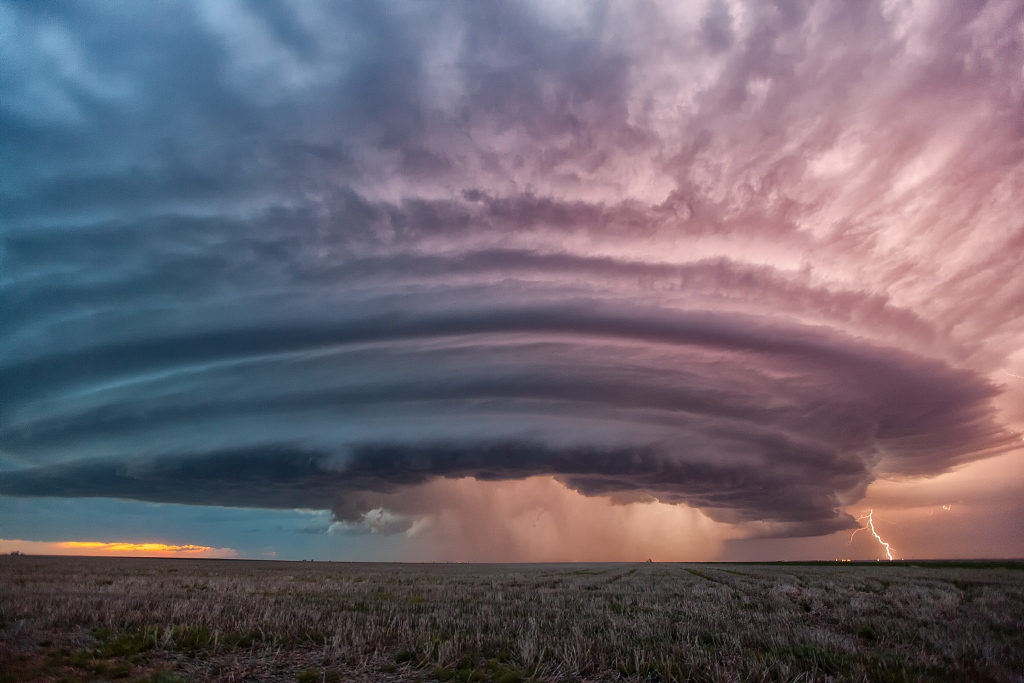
column 512, row 281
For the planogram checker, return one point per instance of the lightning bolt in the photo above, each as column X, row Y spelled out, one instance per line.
column 870, row 526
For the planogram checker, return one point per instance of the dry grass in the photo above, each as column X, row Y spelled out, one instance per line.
column 79, row 619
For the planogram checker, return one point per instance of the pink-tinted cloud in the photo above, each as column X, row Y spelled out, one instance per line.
column 540, row 520
column 754, row 259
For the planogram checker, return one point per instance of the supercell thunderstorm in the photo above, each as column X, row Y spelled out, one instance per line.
column 324, row 259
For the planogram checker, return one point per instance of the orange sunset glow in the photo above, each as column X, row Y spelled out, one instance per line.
column 161, row 548
column 115, row 549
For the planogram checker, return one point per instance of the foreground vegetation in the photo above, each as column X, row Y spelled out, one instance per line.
column 93, row 619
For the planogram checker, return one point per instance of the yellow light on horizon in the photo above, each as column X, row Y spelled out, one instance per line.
column 135, row 547
column 104, row 548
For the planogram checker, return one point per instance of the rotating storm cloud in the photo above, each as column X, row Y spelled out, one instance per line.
column 434, row 268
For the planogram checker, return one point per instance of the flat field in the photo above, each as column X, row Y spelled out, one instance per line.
column 164, row 620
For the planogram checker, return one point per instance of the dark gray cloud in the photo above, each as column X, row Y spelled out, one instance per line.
column 282, row 254
column 744, row 419
column 367, row 477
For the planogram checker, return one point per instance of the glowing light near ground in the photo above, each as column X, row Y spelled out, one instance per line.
column 135, row 547
column 871, row 527
column 100, row 548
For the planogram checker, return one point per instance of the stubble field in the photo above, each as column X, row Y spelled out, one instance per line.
column 162, row 620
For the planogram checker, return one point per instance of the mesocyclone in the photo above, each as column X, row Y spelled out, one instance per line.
column 725, row 257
